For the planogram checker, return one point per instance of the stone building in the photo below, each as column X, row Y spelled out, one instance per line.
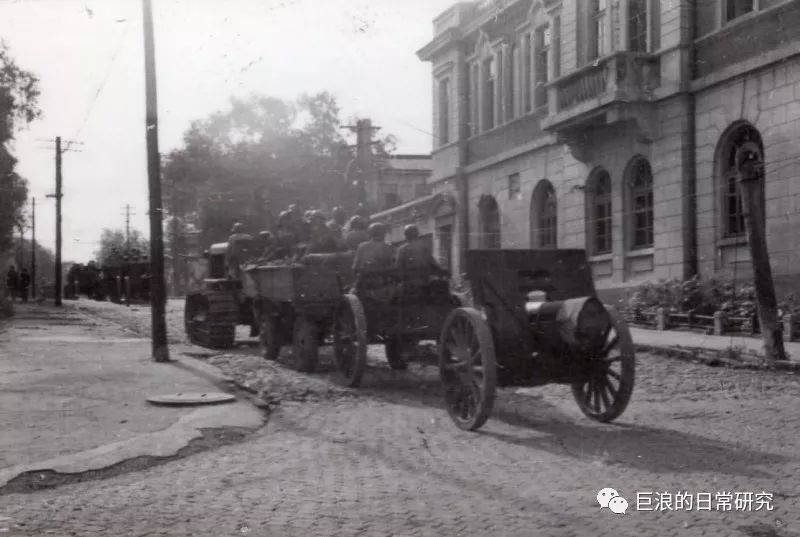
column 611, row 125
column 399, row 179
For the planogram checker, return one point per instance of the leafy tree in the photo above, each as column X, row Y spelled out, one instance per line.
column 114, row 247
column 19, row 92
column 249, row 162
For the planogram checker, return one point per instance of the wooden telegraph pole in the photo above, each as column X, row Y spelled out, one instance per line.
column 33, row 248
column 157, row 291
column 58, row 197
column 751, row 174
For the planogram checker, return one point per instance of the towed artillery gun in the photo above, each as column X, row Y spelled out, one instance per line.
column 536, row 320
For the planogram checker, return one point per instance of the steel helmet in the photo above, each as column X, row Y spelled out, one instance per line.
column 238, row 227
column 377, row 231
column 411, row 232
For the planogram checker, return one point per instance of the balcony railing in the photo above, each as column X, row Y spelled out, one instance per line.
column 583, row 88
column 624, row 77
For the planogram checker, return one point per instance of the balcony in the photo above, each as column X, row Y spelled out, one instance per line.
column 608, row 90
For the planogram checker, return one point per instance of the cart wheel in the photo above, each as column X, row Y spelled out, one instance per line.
column 304, row 345
column 350, row 341
column 396, row 348
column 468, row 368
column 269, row 336
column 607, row 392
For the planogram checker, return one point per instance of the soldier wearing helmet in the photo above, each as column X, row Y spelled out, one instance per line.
column 375, row 254
column 239, row 243
column 323, row 240
column 356, row 233
column 414, row 259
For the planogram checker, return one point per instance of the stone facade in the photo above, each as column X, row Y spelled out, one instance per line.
column 628, row 111
column 398, row 180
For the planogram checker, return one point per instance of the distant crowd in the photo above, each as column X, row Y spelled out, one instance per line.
column 17, row 283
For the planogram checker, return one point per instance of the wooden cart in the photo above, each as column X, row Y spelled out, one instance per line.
column 296, row 303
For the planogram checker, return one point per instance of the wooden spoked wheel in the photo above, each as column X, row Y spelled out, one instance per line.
column 606, row 394
column 350, row 341
column 269, row 336
column 305, row 345
column 468, row 368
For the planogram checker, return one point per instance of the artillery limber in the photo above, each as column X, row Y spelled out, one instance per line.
column 392, row 308
column 296, row 303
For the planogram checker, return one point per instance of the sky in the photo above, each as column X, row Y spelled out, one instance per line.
column 88, row 55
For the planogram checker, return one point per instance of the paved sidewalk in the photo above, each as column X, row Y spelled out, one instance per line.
column 673, row 339
column 73, row 392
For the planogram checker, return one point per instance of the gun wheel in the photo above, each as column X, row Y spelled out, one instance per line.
column 605, row 395
column 467, row 368
column 350, row 341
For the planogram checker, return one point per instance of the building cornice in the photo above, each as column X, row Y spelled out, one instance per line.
column 444, row 40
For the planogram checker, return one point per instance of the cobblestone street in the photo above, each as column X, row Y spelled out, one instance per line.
column 386, row 460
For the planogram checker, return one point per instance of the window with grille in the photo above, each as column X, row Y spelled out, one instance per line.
column 556, row 47
column 546, row 217
column 598, row 11
column 736, row 8
column 640, row 183
column 490, row 223
column 543, row 41
column 446, row 246
column 511, row 93
column 637, row 25
column 599, row 218
column 527, row 72
column 444, row 111
column 514, row 187
column 490, row 78
column 474, row 100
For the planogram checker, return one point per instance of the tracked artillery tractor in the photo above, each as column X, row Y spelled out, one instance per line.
column 212, row 312
column 536, row 320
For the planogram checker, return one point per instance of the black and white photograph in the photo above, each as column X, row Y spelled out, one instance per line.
column 399, row 268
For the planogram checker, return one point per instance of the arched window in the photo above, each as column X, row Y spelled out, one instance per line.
column 544, row 216
column 490, row 223
column 732, row 213
column 639, row 182
column 598, row 209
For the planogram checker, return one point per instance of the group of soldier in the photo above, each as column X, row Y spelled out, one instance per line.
column 17, row 283
column 298, row 234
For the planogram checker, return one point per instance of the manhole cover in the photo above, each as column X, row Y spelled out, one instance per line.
column 191, row 399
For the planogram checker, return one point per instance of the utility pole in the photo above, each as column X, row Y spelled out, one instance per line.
column 364, row 160
column 750, row 165
column 58, row 195
column 33, row 248
column 157, row 291
column 128, row 226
